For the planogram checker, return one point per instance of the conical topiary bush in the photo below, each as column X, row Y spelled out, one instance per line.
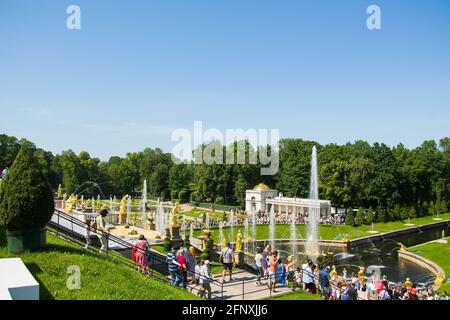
column 26, row 203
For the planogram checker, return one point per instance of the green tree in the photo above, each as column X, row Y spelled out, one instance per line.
column 380, row 214
column 26, row 197
column 431, row 210
column 444, row 208
column 369, row 217
column 350, row 218
column 360, row 217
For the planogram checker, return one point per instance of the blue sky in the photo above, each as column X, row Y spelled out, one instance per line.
column 139, row 69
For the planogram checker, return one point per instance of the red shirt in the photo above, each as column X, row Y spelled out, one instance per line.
column 182, row 262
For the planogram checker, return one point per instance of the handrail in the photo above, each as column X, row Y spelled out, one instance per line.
column 162, row 261
column 148, row 252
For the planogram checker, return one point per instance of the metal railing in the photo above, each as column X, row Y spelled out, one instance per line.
column 71, row 228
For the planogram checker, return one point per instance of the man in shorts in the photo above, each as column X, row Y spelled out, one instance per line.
column 273, row 269
column 227, row 259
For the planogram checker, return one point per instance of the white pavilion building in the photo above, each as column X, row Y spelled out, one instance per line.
column 262, row 198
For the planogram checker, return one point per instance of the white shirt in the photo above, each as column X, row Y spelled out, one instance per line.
column 259, row 260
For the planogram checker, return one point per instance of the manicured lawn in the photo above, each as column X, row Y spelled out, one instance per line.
column 327, row 232
column 297, row 295
column 101, row 278
column 438, row 253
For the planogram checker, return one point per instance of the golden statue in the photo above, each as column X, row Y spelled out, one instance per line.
column 290, row 263
column 238, row 242
column 408, row 284
column 333, row 273
column 361, row 277
column 439, row 280
column 192, row 251
column 403, row 248
column 174, row 217
column 71, row 203
column 123, row 209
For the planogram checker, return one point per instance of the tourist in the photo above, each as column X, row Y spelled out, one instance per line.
column 308, row 276
column 182, row 267
column 172, row 264
column 324, row 281
column 205, row 279
column 297, row 278
column 87, row 232
column 141, row 254
column 273, row 268
column 198, row 268
column 259, row 266
column 384, row 294
column 227, row 259
column 352, row 292
column 191, row 263
column 265, row 255
column 102, row 230
column 282, row 272
column 311, row 285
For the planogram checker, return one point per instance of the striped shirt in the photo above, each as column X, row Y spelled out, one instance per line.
column 172, row 266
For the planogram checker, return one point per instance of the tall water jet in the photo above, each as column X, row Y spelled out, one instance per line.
column 293, row 236
column 232, row 226
column 253, row 232
column 207, row 220
column 93, row 205
column 221, row 238
column 246, row 235
column 312, row 245
column 128, row 209
column 144, row 204
column 272, row 227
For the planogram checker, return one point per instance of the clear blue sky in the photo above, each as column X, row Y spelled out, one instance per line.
column 139, row 69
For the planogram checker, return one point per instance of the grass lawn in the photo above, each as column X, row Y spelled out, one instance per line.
column 101, row 278
column 297, row 295
column 327, row 232
column 438, row 253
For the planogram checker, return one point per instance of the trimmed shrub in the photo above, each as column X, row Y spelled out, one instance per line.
column 26, row 197
column 350, row 218
column 359, row 217
column 369, row 217
column 167, row 241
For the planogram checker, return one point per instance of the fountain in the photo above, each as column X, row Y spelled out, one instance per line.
column 111, row 208
column 191, row 232
column 272, row 227
column 293, row 237
column 246, row 235
column 93, row 204
column 144, row 204
column 253, row 232
column 312, row 245
column 221, row 237
column 207, row 220
column 232, row 226
column 128, row 209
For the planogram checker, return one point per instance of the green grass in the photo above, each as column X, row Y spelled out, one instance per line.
column 101, row 278
column 439, row 253
column 296, row 295
column 327, row 232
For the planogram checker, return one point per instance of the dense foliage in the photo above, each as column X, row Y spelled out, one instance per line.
column 26, row 198
column 352, row 175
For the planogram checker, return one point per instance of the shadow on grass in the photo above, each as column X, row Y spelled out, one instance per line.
column 44, row 293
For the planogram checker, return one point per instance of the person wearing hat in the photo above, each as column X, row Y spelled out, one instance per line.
column 205, row 278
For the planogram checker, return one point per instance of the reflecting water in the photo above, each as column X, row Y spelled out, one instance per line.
column 377, row 257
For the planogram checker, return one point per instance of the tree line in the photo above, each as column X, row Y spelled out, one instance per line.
column 353, row 175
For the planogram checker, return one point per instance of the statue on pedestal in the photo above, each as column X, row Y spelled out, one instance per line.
column 174, row 224
column 238, row 242
column 71, row 203
column 361, row 277
column 408, row 283
column 123, row 209
column 333, row 273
